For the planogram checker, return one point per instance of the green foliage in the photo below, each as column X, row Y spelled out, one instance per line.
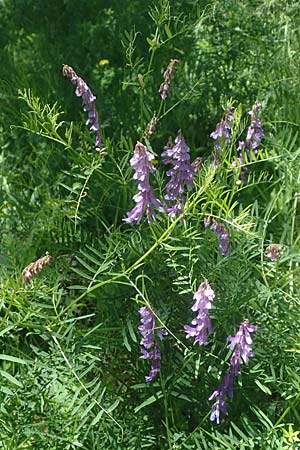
column 70, row 369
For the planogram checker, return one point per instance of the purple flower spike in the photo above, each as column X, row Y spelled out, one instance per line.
column 254, row 136
column 222, row 132
column 155, row 366
column 241, row 345
column 181, row 174
column 222, row 233
column 255, row 132
column 204, row 296
column 88, row 101
column 145, row 199
column 151, row 350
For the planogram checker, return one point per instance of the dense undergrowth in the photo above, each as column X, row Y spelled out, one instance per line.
column 71, row 375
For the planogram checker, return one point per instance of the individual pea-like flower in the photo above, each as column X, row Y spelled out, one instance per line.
column 151, row 348
column 222, row 233
column 88, row 101
column 241, row 347
column 273, row 252
column 168, row 74
column 202, row 323
column 222, row 133
column 145, row 199
column 33, row 268
column 181, row 174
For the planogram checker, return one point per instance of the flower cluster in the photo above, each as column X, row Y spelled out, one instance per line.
column 168, row 74
column 151, row 348
column 181, row 174
column 273, row 252
column 145, row 199
column 204, row 296
column 222, row 133
column 255, row 132
column 33, row 268
column 88, row 101
column 222, row 233
column 254, row 136
column 241, row 346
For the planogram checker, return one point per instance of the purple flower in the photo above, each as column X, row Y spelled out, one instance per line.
column 255, row 131
column 145, row 199
column 168, row 74
column 241, row 346
column 273, row 252
column 155, row 356
column 88, row 101
column 253, row 139
column 33, row 268
column 225, row 388
column 222, row 132
column 204, row 296
column 222, row 233
column 241, row 163
column 151, row 350
column 181, row 174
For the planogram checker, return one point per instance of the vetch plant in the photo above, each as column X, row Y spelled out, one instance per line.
column 151, row 348
column 181, row 174
column 202, row 323
column 145, row 199
column 241, row 346
column 33, row 268
column 222, row 233
column 255, row 132
column 222, row 133
column 254, row 136
column 88, row 101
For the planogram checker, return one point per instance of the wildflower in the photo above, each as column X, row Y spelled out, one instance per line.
column 168, row 74
column 88, row 101
column 181, row 174
column 244, row 169
column 151, row 350
column 273, row 252
column 220, row 393
column 222, row 233
column 155, row 356
column 145, row 198
column 204, row 296
column 254, row 136
column 241, row 346
column 222, row 132
column 255, row 131
column 33, row 268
